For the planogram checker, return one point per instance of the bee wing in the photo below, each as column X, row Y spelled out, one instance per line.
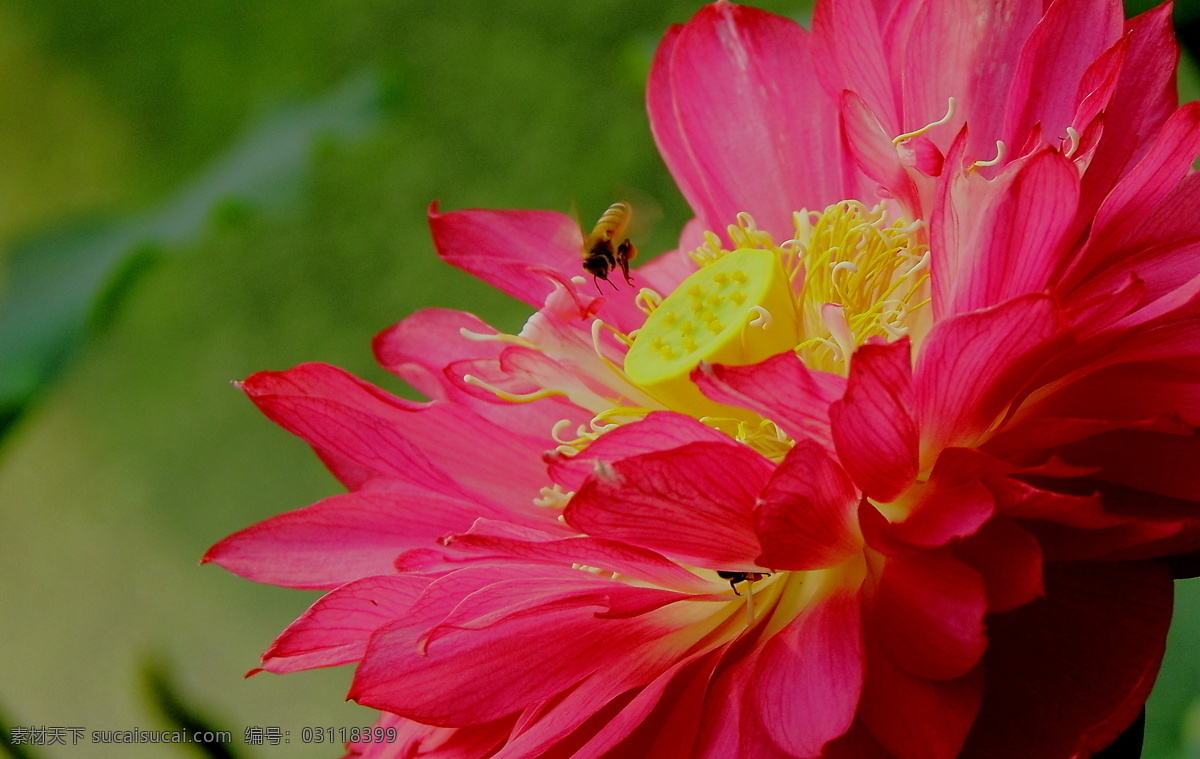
column 573, row 212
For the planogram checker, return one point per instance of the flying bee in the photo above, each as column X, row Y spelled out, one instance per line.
column 602, row 253
column 736, row 577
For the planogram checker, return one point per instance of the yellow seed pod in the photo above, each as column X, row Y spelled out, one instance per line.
column 738, row 310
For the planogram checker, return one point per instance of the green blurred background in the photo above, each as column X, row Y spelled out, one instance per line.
column 191, row 192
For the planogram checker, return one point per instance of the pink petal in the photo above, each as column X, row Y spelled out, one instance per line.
column 342, row 538
column 713, row 84
column 915, row 717
column 335, row 629
column 514, row 600
column 1106, row 299
column 662, row 720
column 418, row 348
column 921, row 154
column 1151, row 180
column 1145, row 96
column 928, row 614
column 395, row 674
column 873, row 428
column 1067, row 39
column 807, row 680
column 1162, row 330
column 550, row 729
column 501, row 247
column 611, row 556
column 536, row 369
column 983, row 38
column 781, row 389
column 470, row 742
column 564, row 319
column 873, row 150
column 398, row 439
column 730, row 726
column 658, row 431
column 1074, row 669
column 666, row 271
column 1095, row 91
column 546, row 613
column 849, row 52
column 955, row 204
column 1134, row 276
column 806, row 514
column 1021, row 236
column 421, row 348
column 694, row 503
column 659, row 721
column 997, row 349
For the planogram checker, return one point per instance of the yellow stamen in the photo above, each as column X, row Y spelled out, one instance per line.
column 471, row 379
column 861, row 271
column 1001, row 150
column 553, row 498
column 647, row 300
column 498, row 337
column 1072, row 142
column 951, row 106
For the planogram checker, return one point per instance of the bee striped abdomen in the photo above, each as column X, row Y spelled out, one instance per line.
column 601, row 253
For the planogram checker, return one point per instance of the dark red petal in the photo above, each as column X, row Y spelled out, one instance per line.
column 928, row 613
column 1074, row 669
column 856, row 743
column 1021, row 500
column 944, row 512
column 1009, row 560
column 1151, row 461
column 915, row 717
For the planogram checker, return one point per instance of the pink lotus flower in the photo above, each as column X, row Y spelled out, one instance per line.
column 892, row 457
